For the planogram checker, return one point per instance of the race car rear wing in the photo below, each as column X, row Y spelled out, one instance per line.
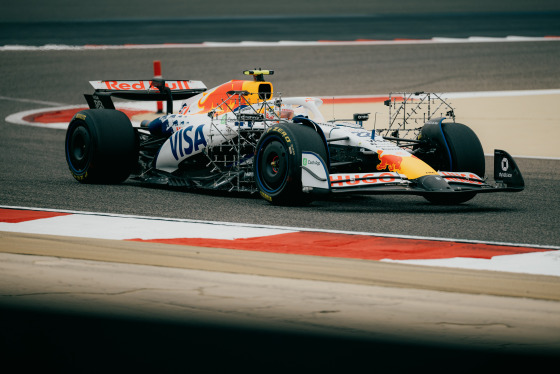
column 156, row 89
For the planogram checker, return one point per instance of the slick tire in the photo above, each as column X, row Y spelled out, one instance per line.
column 459, row 149
column 449, row 199
column 466, row 151
column 101, row 146
column 277, row 164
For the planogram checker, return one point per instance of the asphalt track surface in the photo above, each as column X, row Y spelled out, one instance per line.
column 168, row 22
column 33, row 173
column 270, row 28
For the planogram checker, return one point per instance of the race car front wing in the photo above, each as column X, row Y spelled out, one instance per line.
column 316, row 179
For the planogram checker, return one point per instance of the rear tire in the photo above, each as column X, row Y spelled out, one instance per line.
column 277, row 163
column 101, row 146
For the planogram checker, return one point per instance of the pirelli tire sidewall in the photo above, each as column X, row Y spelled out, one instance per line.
column 101, row 146
column 277, row 163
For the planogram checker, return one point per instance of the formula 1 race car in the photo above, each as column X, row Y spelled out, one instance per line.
column 239, row 136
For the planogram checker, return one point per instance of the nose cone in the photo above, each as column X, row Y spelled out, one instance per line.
column 433, row 183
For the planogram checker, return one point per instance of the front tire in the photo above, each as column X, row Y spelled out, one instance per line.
column 101, row 146
column 277, row 163
column 449, row 198
column 458, row 149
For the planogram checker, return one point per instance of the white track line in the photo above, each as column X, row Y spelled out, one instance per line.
column 281, row 43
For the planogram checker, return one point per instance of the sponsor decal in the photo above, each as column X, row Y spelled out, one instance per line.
column 362, row 134
column 80, row 116
column 283, row 133
column 451, row 174
column 388, row 161
column 79, row 177
column 250, row 117
column 219, row 96
column 265, row 196
column 461, row 177
column 344, row 180
column 505, row 164
column 97, row 102
column 125, row 86
column 186, row 141
column 141, row 85
column 307, row 162
column 505, row 167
